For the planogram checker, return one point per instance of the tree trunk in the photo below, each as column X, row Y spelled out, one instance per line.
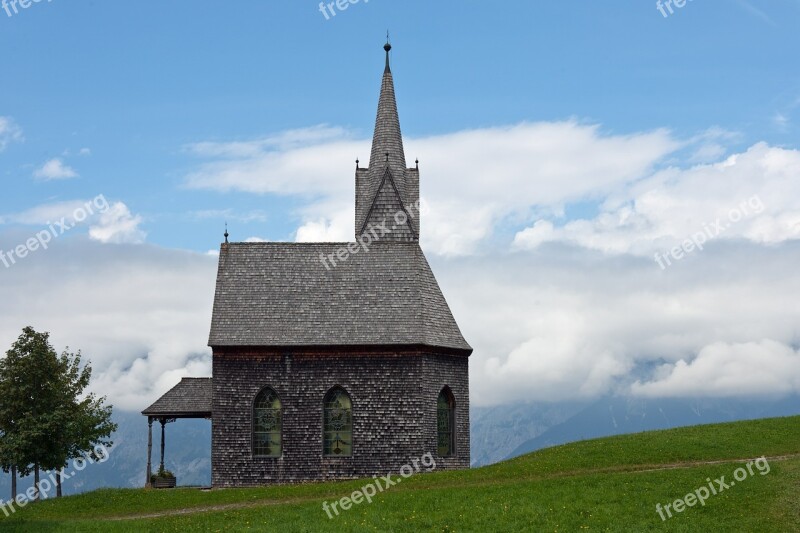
column 13, row 482
column 36, row 482
column 58, row 483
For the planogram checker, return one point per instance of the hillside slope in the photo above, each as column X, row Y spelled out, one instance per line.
column 610, row 484
column 623, row 415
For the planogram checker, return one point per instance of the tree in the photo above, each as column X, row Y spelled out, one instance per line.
column 45, row 417
column 16, row 390
column 81, row 421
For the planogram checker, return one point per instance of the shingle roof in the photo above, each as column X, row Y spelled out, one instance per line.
column 191, row 398
column 282, row 294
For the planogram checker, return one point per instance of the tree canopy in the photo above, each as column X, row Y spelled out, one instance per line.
column 46, row 416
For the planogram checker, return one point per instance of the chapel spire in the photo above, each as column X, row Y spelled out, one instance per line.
column 387, row 187
column 387, row 138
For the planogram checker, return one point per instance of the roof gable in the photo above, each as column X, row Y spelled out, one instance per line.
column 388, row 211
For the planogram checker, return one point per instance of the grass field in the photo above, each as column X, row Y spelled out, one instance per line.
column 610, row 484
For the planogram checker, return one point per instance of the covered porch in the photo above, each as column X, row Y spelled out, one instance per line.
column 191, row 398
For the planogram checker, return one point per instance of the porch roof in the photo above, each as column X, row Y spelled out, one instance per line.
column 191, row 398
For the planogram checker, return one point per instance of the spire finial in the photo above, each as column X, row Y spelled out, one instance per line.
column 357, row 162
column 226, row 233
column 388, row 48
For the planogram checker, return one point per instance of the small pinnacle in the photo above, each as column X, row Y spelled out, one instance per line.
column 357, row 163
column 417, row 162
column 226, row 233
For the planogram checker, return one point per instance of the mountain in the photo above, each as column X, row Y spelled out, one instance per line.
column 619, row 415
column 496, row 432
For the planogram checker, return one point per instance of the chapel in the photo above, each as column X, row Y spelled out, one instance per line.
column 334, row 360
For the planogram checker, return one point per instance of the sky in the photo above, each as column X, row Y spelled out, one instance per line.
column 612, row 188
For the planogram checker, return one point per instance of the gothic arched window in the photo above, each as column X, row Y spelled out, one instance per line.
column 338, row 424
column 267, row 422
column 445, row 423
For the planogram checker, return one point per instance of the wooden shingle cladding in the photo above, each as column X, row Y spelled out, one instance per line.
column 388, row 211
column 393, row 392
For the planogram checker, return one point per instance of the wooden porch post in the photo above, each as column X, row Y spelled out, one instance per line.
column 163, row 424
column 148, row 484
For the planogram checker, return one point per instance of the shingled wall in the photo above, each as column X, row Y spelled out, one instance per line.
column 394, row 395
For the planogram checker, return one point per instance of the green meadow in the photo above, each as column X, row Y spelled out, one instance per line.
column 609, row 484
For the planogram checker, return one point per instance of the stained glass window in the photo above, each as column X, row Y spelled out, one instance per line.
column 445, row 422
column 338, row 424
column 267, row 423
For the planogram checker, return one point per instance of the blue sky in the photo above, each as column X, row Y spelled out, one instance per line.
column 136, row 83
column 556, row 138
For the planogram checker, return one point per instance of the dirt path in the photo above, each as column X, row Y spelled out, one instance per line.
column 632, row 469
column 210, row 508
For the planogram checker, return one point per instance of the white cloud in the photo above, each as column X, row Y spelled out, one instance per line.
column 296, row 162
column 141, row 314
column 9, row 132
column 117, row 225
column 54, row 169
column 556, row 323
column 729, row 370
column 107, row 222
column 541, row 232
column 564, row 322
column 282, row 141
column 45, row 214
column 295, row 172
column 754, row 195
column 547, row 325
column 711, row 145
column 472, row 180
column 340, row 228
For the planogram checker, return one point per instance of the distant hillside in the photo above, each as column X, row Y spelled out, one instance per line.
column 645, row 482
column 510, row 430
column 619, row 415
column 496, row 432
